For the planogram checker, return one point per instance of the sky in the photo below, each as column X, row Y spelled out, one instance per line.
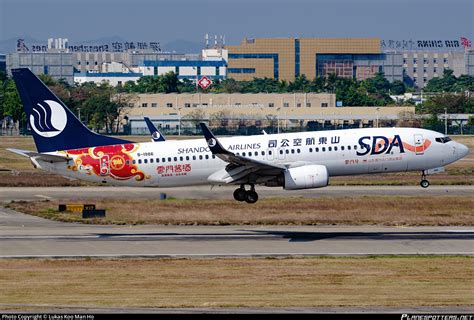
column 167, row 20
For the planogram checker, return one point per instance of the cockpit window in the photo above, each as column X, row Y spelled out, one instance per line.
column 443, row 139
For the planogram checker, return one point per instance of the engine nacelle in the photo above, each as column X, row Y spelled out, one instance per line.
column 306, row 177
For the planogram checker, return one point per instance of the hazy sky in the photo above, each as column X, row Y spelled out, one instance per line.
column 167, row 20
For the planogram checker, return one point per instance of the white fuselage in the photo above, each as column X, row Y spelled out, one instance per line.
column 175, row 163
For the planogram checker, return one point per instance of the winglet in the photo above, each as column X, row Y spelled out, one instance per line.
column 214, row 144
column 156, row 135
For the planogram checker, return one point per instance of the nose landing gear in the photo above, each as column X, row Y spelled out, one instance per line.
column 249, row 196
column 424, row 183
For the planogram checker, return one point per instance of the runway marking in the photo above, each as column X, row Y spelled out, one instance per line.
column 43, row 196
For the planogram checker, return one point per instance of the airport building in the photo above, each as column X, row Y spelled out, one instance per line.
column 287, row 58
column 414, row 62
column 3, row 62
column 421, row 67
column 287, row 110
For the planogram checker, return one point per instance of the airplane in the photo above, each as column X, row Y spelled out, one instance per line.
column 156, row 135
column 289, row 160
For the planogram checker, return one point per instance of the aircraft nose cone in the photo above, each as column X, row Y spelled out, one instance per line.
column 462, row 150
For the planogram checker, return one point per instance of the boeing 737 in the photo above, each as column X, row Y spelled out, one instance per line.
column 290, row 160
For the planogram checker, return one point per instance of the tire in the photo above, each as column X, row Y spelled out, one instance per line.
column 251, row 197
column 240, row 194
column 424, row 183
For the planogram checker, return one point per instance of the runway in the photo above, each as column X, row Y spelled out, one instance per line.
column 24, row 236
column 224, row 192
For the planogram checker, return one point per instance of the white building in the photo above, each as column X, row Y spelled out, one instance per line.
column 213, row 65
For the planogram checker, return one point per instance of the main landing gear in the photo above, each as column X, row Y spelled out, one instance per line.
column 424, row 183
column 249, row 196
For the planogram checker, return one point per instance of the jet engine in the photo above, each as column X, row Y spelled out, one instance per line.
column 306, row 177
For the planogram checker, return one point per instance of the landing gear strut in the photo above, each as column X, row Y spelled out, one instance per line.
column 424, row 183
column 249, row 196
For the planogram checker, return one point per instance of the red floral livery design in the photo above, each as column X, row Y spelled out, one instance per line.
column 114, row 161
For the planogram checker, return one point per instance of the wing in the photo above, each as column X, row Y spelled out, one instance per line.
column 240, row 169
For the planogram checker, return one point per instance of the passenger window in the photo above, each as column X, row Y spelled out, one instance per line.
column 310, row 149
column 342, row 148
column 243, row 154
column 127, row 162
column 200, row 157
column 292, row 150
column 335, row 148
column 256, row 153
column 157, row 160
column 329, row 148
column 139, row 161
column 151, row 160
column 348, row 147
column 287, row 151
column 180, row 158
column 323, row 149
column 207, row 156
column 163, row 160
column 281, row 151
column 263, row 153
column 298, row 150
column 270, row 152
column 355, row 147
column 194, row 157
column 317, row 149
column 175, row 158
column 134, row 162
column 169, row 159
column 187, row 158
column 213, row 156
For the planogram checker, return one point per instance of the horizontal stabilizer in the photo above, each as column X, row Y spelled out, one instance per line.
column 40, row 156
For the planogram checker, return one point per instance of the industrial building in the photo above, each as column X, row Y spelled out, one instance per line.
column 100, row 63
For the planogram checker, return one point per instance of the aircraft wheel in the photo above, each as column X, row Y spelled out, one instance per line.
column 424, row 183
column 251, row 197
column 240, row 194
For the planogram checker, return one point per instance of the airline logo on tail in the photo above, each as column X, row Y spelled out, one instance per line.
column 48, row 119
column 156, row 135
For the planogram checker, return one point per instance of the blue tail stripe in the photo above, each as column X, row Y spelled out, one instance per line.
column 34, row 94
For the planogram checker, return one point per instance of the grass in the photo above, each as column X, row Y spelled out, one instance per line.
column 365, row 210
column 458, row 173
column 291, row 282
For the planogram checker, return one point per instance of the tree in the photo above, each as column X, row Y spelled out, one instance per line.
column 397, row 87
column 195, row 117
column 122, row 104
column 408, row 119
column 169, row 82
column 12, row 105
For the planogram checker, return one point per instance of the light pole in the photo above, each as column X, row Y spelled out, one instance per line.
column 179, row 120
column 278, row 120
column 377, row 115
column 445, row 121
